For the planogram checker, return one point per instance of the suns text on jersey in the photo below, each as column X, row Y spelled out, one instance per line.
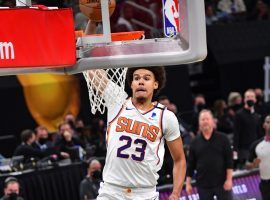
column 147, row 131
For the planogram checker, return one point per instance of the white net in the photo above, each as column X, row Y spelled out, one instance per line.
column 97, row 82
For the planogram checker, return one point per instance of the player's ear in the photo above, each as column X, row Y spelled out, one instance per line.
column 156, row 85
column 264, row 125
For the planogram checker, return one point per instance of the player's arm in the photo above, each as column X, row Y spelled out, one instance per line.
column 253, row 160
column 179, row 166
column 191, row 166
column 96, row 74
column 228, row 156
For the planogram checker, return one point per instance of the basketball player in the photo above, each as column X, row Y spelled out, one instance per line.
column 137, row 131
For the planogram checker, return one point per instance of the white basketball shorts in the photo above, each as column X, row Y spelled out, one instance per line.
column 109, row 191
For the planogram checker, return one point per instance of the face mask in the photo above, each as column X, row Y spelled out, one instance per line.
column 236, row 107
column 42, row 140
column 12, row 196
column 200, row 106
column 250, row 103
column 97, row 174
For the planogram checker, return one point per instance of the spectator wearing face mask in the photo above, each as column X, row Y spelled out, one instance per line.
column 42, row 141
column 199, row 105
column 247, row 127
column 234, row 102
column 11, row 189
column 261, row 107
column 90, row 184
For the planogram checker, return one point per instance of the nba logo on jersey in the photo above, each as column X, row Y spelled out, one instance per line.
column 171, row 17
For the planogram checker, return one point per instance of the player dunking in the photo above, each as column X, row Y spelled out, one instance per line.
column 137, row 131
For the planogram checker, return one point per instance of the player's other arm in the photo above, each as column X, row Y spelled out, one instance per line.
column 97, row 74
column 179, row 166
column 229, row 164
column 253, row 160
column 175, row 145
column 191, row 165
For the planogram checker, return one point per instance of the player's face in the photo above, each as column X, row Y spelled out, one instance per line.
column 143, row 84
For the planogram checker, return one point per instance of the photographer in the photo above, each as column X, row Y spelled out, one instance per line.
column 11, row 189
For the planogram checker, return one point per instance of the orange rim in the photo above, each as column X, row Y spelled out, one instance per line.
column 121, row 36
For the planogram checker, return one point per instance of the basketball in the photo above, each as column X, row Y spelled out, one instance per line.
column 92, row 9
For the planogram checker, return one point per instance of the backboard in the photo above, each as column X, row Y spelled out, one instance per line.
column 175, row 33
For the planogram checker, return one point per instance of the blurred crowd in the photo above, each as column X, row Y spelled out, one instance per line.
column 240, row 117
column 224, row 11
column 73, row 141
column 147, row 14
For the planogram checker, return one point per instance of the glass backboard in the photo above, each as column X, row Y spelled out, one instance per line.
column 174, row 33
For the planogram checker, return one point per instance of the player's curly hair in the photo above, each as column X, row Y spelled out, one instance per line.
column 159, row 73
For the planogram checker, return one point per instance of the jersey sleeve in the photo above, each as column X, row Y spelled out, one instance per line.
column 171, row 128
column 114, row 102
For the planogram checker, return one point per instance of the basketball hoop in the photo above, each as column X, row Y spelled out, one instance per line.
column 117, row 76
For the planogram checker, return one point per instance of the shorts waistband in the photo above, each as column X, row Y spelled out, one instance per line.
column 130, row 189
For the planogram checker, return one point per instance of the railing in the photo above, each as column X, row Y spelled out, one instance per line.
column 267, row 79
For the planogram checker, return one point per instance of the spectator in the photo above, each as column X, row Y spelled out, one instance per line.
column 211, row 156
column 210, row 16
column 164, row 100
column 246, row 127
column 59, row 140
column 224, row 120
column 42, row 139
column 260, row 157
column 261, row 11
column 26, row 149
column 71, row 146
column 89, row 186
column 261, row 107
column 234, row 102
column 124, row 22
column 62, row 128
column 199, row 104
column 232, row 6
column 97, row 137
column 8, row 3
column 11, row 189
column 70, row 119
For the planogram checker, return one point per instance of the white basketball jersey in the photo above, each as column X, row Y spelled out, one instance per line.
column 135, row 145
